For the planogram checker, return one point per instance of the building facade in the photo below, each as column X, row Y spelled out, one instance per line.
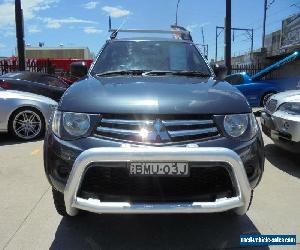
column 58, row 52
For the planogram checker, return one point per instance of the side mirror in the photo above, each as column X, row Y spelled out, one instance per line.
column 220, row 71
column 78, row 69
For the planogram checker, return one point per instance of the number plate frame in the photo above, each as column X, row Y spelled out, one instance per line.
column 159, row 169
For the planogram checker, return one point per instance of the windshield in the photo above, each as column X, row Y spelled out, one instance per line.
column 150, row 56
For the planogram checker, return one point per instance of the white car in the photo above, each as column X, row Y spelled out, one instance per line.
column 280, row 120
column 24, row 114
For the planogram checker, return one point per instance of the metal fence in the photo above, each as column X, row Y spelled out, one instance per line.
column 33, row 65
column 46, row 66
column 252, row 69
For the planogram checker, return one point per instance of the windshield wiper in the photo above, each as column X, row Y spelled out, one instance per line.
column 122, row 72
column 153, row 72
column 179, row 73
column 157, row 72
column 190, row 73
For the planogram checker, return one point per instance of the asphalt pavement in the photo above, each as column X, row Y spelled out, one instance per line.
column 28, row 219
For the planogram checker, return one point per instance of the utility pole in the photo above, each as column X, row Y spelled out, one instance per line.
column 20, row 34
column 227, row 37
column 216, row 56
column 252, row 40
column 264, row 23
column 177, row 12
column 204, row 46
column 202, row 33
column 266, row 7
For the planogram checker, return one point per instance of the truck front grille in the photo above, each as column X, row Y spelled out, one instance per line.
column 271, row 106
column 157, row 129
column 113, row 184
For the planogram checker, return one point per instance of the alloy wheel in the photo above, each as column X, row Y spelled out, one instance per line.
column 27, row 124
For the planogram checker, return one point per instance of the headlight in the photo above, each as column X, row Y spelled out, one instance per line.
column 253, row 126
column 236, row 125
column 292, row 108
column 56, row 122
column 76, row 124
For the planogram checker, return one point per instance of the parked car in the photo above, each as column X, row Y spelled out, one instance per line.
column 153, row 130
column 280, row 120
column 258, row 90
column 34, row 82
column 23, row 114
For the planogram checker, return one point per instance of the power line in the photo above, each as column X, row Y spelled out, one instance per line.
column 260, row 27
column 249, row 32
column 271, row 22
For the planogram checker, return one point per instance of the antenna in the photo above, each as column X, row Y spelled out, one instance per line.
column 114, row 31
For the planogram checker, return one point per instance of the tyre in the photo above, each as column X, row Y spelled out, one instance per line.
column 265, row 98
column 251, row 199
column 59, row 203
column 27, row 124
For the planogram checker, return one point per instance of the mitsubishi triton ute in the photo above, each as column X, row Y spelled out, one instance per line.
column 152, row 128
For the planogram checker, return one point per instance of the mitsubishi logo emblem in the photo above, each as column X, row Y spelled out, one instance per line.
column 157, row 132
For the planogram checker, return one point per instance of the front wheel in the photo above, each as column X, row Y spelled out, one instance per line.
column 27, row 124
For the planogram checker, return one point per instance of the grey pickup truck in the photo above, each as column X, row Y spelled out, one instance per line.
column 152, row 128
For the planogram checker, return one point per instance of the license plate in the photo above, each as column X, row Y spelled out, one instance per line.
column 178, row 169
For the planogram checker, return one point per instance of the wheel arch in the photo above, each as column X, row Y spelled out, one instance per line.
column 268, row 91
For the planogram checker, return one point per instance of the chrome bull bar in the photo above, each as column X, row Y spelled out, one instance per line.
column 192, row 153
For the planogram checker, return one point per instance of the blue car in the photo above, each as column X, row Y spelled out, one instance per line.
column 258, row 91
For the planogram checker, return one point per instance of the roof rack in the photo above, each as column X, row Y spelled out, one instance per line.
column 178, row 32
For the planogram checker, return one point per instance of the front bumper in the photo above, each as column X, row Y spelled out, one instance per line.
column 60, row 155
column 283, row 129
column 239, row 202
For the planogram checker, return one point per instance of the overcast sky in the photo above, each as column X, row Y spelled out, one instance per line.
column 85, row 23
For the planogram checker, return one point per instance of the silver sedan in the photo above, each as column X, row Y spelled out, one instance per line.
column 23, row 114
column 280, row 120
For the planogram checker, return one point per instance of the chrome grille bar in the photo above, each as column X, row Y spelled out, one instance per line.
column 192, row 132
column 186, row 122
column 150, row 122
column 127, row 122
column 171, row 128
column 119, row 131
